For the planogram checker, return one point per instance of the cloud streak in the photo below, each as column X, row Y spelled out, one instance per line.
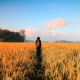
column 68, row 33
column 40, row 26
column 12, row 29
column 58, row 23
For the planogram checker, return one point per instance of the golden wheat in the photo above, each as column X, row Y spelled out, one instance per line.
column 61, row 61
column 17, row 60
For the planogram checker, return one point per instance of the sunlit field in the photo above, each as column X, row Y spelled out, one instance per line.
column 17, row 60
column 60, row 61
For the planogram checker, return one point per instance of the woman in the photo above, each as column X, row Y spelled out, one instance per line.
column 38, row 46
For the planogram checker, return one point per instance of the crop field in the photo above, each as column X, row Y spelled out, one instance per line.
column 60, row 61
column 17, row 60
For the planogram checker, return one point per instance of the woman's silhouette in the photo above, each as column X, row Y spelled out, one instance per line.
column 38, row 47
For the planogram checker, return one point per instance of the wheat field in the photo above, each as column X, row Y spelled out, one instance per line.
column 17, row 60
column 60, row 61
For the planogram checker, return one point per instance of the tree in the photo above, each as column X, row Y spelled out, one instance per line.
column 8, row 36
column 22, row 33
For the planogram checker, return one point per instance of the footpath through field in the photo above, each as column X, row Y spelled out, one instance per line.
column 39, row 73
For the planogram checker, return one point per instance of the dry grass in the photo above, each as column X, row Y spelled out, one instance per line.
column 17, row 61
column 61, row 61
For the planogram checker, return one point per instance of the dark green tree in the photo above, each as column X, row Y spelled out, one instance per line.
column 8, row 36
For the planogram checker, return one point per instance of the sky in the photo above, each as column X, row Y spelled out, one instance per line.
column 49, row 19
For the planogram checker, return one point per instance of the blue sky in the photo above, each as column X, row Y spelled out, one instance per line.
column 49, row 19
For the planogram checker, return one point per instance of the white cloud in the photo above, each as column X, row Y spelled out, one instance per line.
column 40, row 26
column 42, row 33
column 35, row 33
column 31, row 32
column 12, row 29
column 48, row 35
column 68, row 33
column 58, row 23
column 56, row 33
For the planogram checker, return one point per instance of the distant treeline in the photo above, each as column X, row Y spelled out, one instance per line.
column 64, row 41
column 8, row 36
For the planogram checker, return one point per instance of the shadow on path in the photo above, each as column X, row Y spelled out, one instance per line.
column 39, row 74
